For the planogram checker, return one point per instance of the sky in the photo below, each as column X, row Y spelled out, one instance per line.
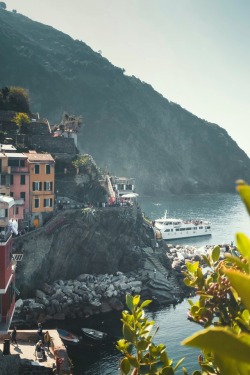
column 194, row 52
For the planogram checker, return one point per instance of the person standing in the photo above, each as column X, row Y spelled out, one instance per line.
column 40, row 332
column 47, row 339
column 13, row 337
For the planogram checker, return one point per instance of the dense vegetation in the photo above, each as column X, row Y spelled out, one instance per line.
column 129, row 127
column 14, row 99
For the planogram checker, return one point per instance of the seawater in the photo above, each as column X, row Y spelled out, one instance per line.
column 227, row 215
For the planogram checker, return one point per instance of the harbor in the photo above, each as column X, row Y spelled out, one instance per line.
column 22, row 355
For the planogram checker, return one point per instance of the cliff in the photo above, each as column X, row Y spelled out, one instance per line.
column 72, row 244
column 129, row 127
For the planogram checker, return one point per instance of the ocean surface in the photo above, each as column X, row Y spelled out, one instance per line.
column 227, row 215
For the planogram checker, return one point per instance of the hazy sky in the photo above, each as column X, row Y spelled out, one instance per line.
column 194, row 52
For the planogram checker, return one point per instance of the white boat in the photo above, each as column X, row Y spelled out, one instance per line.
column 172, row 229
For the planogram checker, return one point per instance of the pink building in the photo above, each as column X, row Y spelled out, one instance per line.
column 19, row 184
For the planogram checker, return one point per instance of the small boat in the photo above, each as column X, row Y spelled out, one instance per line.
column 68, row 336
column 94, row 334
column 172, row 229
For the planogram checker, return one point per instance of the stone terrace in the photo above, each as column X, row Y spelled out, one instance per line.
column 15, row 364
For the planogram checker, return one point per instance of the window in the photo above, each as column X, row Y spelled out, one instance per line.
column 17, row 210
column 11, row 194
column 36, row 202
column 37, row 168
column 47, row 168
column 37, row 186
column 3, row 179
column 22, row 179
column 47, row 202
column 22, row 195
column 11, row 179
column 48, row 186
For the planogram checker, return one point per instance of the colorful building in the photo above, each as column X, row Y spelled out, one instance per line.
column 19, row 184
column 7, row 268
column 4, row 175
column 41, row 186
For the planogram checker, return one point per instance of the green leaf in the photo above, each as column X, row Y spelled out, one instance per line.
column 222, row 342
column 164, row 358
column 129, row 302
column 128, row 333
column 243, row 244
column 133, row 361
column 244, row 191
column 142, row 345
column 241, row 283
column 145, row 303
column 136, row 300
column 206, row 260
column 192, row 267
column 236, row 261
column 179, row 363
column 125, row 366
column 216, row 254
column 168, row 370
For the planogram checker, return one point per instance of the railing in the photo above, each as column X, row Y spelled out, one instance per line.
column 19, row 169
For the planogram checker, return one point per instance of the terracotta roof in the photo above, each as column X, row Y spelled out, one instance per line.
column 35, row 157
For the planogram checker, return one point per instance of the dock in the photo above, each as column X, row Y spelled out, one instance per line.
column 22, row 356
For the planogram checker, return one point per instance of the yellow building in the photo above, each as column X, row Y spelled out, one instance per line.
column 4, row 175
column 42, row 181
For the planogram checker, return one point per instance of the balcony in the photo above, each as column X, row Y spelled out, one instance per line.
column 19, row 169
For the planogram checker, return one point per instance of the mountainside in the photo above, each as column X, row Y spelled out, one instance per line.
column 129, row 127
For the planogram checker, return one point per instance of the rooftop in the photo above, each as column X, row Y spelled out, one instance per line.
column 16, row 155
column 34, row 157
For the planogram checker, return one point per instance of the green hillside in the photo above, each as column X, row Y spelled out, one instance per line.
column 129, row 127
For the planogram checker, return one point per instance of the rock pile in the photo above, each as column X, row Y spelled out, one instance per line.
column 85, row 296
column 178, row 254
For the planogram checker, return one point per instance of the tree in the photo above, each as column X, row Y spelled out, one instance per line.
column 2, row 5
column 18, row 100
column 21, row 120
column 14, row 99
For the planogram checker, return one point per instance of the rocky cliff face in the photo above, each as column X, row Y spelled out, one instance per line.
column 72, row 244
column 129, row 127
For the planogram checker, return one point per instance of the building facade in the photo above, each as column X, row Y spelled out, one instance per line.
column 41, row 187
column 7, row 268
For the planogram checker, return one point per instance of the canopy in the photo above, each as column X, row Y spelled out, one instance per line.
column 130, row 195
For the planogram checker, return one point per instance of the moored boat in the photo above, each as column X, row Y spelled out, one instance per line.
column 93, row 334
column 172, row 229
column 68, row 336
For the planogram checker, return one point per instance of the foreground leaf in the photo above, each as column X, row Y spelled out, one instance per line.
column 222, row 342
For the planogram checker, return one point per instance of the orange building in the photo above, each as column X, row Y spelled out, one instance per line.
column 42, row 180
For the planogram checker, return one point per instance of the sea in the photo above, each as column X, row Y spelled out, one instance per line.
column 227, row 215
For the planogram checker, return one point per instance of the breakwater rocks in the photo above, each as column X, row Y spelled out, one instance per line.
column 178, row 254
column 83, row 297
